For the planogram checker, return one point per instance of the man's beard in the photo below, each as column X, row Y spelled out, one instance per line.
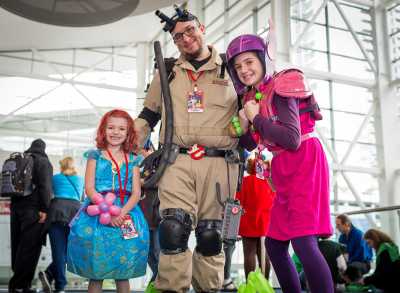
column 194, row 55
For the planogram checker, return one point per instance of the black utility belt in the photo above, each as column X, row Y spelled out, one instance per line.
column 200, row 151
column 209, row 152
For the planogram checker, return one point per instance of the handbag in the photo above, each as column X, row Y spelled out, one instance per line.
column 73, row 185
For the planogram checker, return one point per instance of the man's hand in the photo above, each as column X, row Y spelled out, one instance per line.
column 251, row 109
column 42, row 217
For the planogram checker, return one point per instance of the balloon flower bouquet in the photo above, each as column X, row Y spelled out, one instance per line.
column 104, row 207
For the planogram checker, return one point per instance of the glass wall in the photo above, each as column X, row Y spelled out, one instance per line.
column 59, row 95
column 348, row 128
column 393, row 24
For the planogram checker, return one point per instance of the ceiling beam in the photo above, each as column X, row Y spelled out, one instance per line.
column 4, row 133
column 9, row 73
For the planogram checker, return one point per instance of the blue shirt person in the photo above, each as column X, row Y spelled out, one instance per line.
column 359, row 253
column 68, row 190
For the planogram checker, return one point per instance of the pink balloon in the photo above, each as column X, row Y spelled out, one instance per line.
column 97, row 198
column 103, row 207
column 109, row 198
column 105, row 218
column 93, row 210
column 114, row 210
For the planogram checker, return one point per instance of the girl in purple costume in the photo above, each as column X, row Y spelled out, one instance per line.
column 300, row 172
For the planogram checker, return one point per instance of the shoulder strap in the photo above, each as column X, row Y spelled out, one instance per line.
column 223, row 66
column 239, row 101
column 169, row 65
column 73, row 185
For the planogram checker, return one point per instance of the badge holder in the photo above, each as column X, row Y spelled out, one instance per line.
column 195, row 98
column 128, row 228
column 195, row 103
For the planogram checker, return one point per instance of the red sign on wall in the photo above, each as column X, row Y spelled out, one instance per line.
column 5, row 207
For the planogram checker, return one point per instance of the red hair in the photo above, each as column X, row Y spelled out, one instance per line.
column 130, row 143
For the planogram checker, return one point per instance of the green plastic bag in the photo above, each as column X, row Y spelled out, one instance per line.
column 256, row 283
column 242, row 288
column 261, row 284
column 357, row 288
column 151, row 289
column 250, row 287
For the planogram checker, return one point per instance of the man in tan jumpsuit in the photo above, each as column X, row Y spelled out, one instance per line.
column 203, row 105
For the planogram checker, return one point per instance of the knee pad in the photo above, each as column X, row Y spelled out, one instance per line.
column 209, row 238
column 174, row 231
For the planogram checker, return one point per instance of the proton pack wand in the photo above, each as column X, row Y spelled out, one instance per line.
column 156, row 163
column 232, row 213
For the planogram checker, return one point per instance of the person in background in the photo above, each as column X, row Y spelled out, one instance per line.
column 387, row 272
column 68, row 190
column 359, row 255
column 28, row 215
column 333, row 253
column 256, row 198
column 229, row 247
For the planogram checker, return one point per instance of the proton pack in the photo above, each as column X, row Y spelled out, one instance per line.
column 292, row 83
column 289, row 83
column 17, row 175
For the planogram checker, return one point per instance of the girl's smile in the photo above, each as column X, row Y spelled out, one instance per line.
column 249, row 68
column 116, row 130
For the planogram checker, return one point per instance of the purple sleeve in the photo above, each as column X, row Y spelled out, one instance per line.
column 246, row 141
column 286, row 134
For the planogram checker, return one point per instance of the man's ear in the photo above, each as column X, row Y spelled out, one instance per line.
column 202, row 28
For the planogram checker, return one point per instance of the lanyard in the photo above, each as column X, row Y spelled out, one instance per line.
column 192, row 77
column 121, row 192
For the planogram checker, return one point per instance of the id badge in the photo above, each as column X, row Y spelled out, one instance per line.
column 195, row 101
column 259, row 168
column 128, row 228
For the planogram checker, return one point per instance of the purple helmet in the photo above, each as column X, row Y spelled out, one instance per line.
column 241, row 44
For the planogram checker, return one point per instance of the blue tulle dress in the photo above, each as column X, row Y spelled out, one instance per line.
column 97, row 251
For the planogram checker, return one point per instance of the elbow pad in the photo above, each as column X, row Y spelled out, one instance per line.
column 150, row 116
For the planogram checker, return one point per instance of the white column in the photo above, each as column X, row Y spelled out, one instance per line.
column 142, row 60
column 387, row 130
column 280, row 12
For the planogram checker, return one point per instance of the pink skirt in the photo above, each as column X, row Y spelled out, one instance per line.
column 301, row 205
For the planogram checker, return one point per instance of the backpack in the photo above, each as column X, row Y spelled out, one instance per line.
column 17, row 175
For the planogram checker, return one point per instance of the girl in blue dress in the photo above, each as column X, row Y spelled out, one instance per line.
column 119, row 249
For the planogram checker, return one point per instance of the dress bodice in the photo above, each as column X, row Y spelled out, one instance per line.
column 105, row 178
